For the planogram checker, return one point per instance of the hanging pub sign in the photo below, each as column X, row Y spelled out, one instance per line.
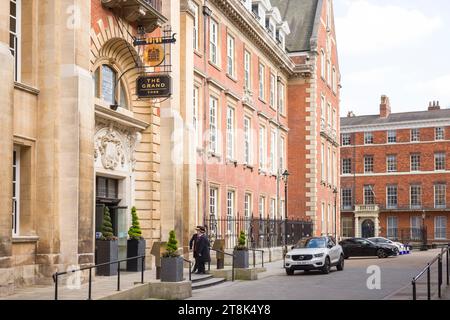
column 155, row 40
column 154, row 55
column 154, row 86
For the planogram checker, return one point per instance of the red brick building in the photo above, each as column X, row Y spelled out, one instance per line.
column 395, row 171
column 313, row 107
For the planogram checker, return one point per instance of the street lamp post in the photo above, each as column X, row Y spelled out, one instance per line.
column 285, row 179
column 424, row 235
column 335, row 191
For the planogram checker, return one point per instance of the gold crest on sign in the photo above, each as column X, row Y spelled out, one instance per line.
column 153, row 55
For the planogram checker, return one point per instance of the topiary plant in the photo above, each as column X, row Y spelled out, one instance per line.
column 172, row 246
column 241, row 241
column 135, row 232
column 107, row 229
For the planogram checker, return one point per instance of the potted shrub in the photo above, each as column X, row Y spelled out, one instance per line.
column 107, row 247
column 136, row 244
column 171, row 261
column 241, row 252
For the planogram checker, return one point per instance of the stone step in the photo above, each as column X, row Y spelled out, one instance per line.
column 207, row 283
column 200, row 277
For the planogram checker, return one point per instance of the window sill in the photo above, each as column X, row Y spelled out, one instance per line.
column 232, row 161
column 247, row 166
column 232, row 78
column 262, row 172
column 215, row 66
column 212, row 154
column 198, row 53
column 262, row 100
column 25, row 239
column 26, row 88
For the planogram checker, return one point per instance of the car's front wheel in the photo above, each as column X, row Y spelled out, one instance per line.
column 326, row 267
column 381, row 254
column 340, row 265
column 289, row 272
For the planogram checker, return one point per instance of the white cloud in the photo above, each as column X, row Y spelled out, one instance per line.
column 371, row 28
column 434, row 89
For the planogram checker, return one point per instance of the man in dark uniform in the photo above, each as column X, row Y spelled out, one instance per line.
column 192, row 246
column 202, row 249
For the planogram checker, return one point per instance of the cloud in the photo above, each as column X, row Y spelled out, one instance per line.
column 437, row 88
column 371, row 28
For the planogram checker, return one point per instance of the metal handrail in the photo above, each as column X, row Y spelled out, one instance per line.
column 427, row 270
column 57, row 274
column 190, row 268
column 254, row 257
column 232, row 261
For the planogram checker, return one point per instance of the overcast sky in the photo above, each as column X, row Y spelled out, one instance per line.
column 400, row 48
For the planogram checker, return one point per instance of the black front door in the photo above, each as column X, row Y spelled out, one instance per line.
column 368, row 229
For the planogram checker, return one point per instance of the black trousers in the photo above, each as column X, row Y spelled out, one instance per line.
column 195, row 265
column 201, row 266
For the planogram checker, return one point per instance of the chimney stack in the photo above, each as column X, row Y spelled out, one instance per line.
column 434, row 106
column 385, row 107
column 350, row 114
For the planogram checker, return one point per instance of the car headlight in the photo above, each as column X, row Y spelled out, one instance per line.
column 319, row 255
column 288, row 256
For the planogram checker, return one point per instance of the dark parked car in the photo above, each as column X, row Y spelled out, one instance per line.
column 359, row 247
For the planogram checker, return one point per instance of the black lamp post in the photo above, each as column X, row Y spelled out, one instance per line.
column 285, row 179
column 424, row 233
column 335, row 192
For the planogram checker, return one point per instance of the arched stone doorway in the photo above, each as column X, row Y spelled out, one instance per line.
column 368, row 228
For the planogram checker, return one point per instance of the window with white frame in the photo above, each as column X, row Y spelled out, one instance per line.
column 392, row 227
column 347, row 199
column 415, row 135
column 247, row 69
column 347, row 166
column 16, row 193
column 213, row 202
column 230, row 55
column 415, row 162
column 262, row 75
column 439, row 133
column 440, row 227
column 322, row 64
column 262, row 148
column 329, row 165
column 282, row 209
column 369, row 194
column 195, row 115
column 282, row 154
column 329, row 72
column 273, row 151
column 323, row 218
column 347, row 227
column 230, row 133
column 368, row 137
column 391, row 161
column 247, row 140
column 334, row 80
column 416, row 226
column 196, row 25
column 392, row 136
column 333, row 120
column 416, row 196
column 281, row 98
column 392, row 196
column 213, row 105
column 273, row 208
column 247, row 205
column 440, row 191
column 15, row 21
column 329, row 114
column 272, row 90
column 322, row 107
column 213, row 41
column 230, row 210
column 322, row 163
column 439, row 161
column 346, row 139
column 329, row 219
column 368, row 164
column 262, row 207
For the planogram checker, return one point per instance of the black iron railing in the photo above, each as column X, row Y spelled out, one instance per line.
column 225, row 253
column 190, row 267
column 254, row 257
column 260, row 233
column 439, row 258
column 57, row 274
column 156, row 4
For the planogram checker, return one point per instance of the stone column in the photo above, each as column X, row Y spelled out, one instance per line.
column 172, row 139
column 357, row 228
column 187, row 88
column 6, row 152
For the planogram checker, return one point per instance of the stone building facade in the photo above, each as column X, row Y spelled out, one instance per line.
column 395, row 172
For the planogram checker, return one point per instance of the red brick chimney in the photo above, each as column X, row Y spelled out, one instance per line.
column 434, row 106
column 385, row 107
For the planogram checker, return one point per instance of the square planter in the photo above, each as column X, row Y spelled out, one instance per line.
column 241, row 259
column 107, row 251
column 171, row 269
column 135, row 248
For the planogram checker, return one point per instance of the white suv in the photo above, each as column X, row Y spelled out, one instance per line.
column 317, row 253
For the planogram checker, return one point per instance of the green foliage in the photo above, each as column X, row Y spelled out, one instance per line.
column 135, row 232
column 107, row 229
column 172, row 246
column 241, row 241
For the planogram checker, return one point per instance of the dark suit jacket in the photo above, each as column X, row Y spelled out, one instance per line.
column 202, row 248
column 192, row 244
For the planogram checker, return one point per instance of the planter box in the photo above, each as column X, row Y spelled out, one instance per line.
column 107, row 251
column 171, row 269
column 240, row 259
column 135, row 248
